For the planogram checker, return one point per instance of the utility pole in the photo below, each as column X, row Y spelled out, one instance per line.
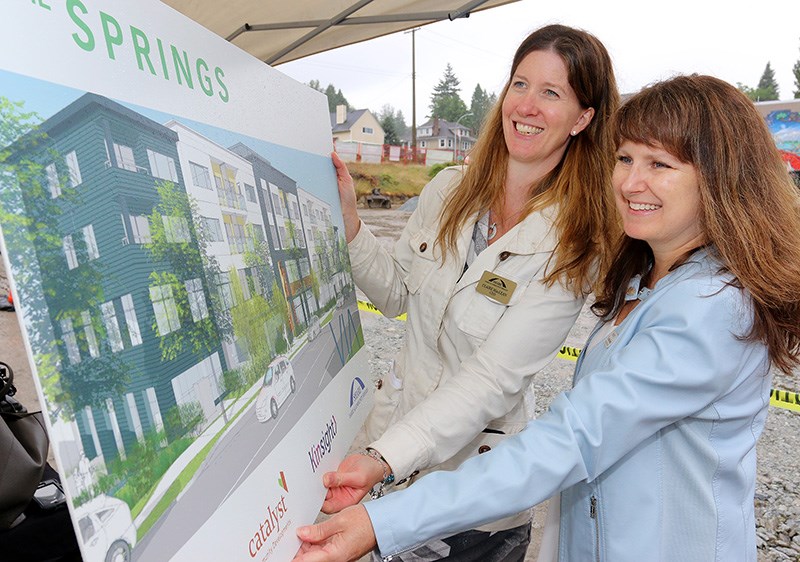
column 413, row 94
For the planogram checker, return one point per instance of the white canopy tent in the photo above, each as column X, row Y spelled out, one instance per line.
column 280, row 31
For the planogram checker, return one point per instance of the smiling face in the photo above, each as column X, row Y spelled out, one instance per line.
column 658, row 198
column 541, row 110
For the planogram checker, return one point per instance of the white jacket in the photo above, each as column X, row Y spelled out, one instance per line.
column 467, row 361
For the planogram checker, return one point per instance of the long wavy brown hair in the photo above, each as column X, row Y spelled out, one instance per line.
column 750, row 209
column 580, row 184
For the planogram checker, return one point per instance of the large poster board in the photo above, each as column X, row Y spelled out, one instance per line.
column 172, row 230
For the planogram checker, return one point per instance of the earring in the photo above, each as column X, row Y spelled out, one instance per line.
column 574, row 133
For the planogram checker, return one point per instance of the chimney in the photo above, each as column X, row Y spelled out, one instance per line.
column 341, row 114
column 435, row 126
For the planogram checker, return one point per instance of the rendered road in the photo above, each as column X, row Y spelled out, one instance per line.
column 245, row 445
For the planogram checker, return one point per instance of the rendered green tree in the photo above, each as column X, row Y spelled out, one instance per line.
column 177, row 243
column 796, row 72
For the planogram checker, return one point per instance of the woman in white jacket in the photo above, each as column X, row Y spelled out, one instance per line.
column 654, row 447
column 492, row 270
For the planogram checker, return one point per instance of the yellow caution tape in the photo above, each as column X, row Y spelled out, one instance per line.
column 784, row 399
column 369, row 307
column 778, row 398
column 567, row 352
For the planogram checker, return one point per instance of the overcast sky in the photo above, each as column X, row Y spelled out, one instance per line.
column 647, row 41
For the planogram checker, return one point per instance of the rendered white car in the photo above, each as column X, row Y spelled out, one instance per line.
column 107, row 530
column 314, row 327
column 277, row 385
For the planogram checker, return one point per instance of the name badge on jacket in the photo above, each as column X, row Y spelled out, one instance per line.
column 495, row 287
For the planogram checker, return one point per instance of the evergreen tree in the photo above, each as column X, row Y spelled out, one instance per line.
column 767, row 85
column 479, row 107
column 400, row 123
column 796, row 71
column 445, row 102
column 393, row 123
column 767, row 88
column 336, row 97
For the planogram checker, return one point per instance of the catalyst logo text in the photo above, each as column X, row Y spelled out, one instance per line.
column 271, row 529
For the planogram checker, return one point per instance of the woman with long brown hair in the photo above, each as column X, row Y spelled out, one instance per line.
column 654, row 448
column 492, row 269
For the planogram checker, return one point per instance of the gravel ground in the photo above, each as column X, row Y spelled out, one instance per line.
column 777, row 501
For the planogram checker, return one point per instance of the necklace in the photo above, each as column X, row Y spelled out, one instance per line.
column 491, row 231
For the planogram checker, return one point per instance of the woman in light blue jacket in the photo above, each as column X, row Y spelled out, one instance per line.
column 654, row 448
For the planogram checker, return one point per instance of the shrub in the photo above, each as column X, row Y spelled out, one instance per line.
column 436, row 168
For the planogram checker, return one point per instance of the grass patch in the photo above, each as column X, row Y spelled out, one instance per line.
column 183, row 480
column 393, row 179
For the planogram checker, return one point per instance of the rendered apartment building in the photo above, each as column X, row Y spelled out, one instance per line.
column 223, row 186
column 113, row 282
column 278, row 197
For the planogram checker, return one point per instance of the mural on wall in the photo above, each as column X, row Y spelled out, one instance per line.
column 785, row 128
column 183, row 284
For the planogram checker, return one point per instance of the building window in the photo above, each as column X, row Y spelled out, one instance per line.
column 282, row 233
column 52, row 180
column 276, row 243
column 140, row 224
column 244, row 284
column 292, row 273
column 422, row 144
column 200, row 176
column 88, row 331
column 367, row 130
column 70, row 341
column 91, row 243
column 258, row 233
column 112, row 325
column 69, row 252
column 74, row 170
column 212, row 229
column 124, row 156
column 224, row 290
column 130, row 319
column 176, row 229
column 253, row 282
column 162, row 166
column 197, row 299
column 276, row 205
column 250, row 192
column 441, row 143
column 164, row 308
column 449, row 143
column 234, row 228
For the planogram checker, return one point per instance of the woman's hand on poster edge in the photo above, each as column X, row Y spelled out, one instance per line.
column 347, row 198
column 355, row 476
column 345, row 536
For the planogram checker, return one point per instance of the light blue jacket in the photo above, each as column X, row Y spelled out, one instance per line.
column 654, row 448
